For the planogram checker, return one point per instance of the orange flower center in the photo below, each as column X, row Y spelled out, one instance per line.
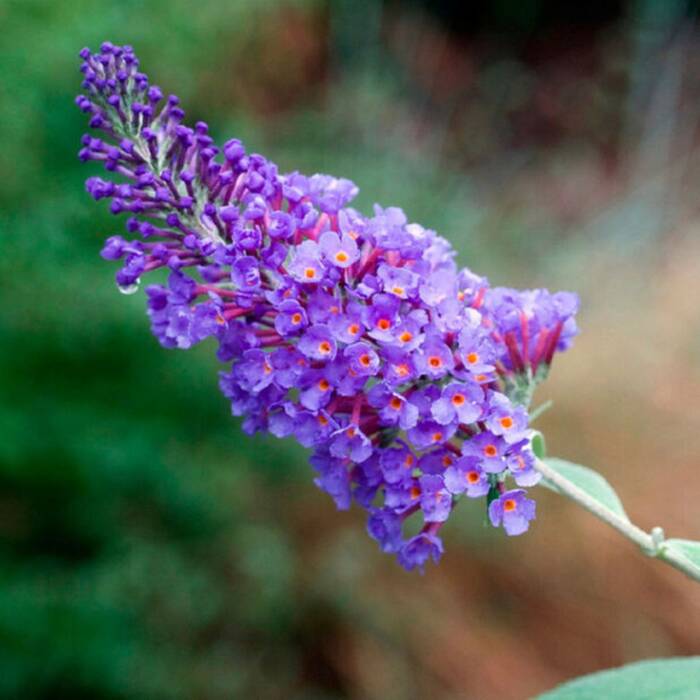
column 309, row 273
column 408, row 462
column 490, row 450
column 458, row 399
column 406, row 337
column 365, row 360
column 472, row 477
column 437, row 437
column 399, row 291
column 402, row 370
column 509, row 505
column 296, row 319
column 353, row 329
column 472, row 358
column 507, row 422
column 323, row 420
column 446, row 461
column 324, row 385
column 341, row 256
column 384, row 324
column 324, row 347
column 395, row 403
column 415, row 492
column 434, row 361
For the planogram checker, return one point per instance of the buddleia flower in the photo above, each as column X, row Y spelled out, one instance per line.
column 356, row 335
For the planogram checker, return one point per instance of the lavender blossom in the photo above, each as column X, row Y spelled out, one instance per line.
column 357, row 335
column 513, row 510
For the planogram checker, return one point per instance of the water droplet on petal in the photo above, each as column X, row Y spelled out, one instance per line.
column 128, row 288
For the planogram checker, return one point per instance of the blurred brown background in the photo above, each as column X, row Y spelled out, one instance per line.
column 149, row 550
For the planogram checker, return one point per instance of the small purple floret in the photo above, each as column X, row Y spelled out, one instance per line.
column 513, row 510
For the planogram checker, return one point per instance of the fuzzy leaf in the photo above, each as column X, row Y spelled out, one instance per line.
column 688, row 549
column 589, row 481
column 671, row 679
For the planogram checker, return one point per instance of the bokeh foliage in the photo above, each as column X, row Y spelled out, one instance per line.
column 141, row 554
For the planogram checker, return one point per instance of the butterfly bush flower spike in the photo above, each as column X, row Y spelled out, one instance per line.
column 359, row 336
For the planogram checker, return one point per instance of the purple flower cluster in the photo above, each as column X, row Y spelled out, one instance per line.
column 357, row 335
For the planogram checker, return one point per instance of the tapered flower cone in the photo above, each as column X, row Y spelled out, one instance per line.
column 358, row 335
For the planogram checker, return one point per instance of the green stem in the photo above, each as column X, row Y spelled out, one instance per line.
column 537, row 412
column 652, row 544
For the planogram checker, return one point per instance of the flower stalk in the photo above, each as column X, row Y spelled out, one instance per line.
column 653, row 543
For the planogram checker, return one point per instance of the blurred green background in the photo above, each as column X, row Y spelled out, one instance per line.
column 148, row 549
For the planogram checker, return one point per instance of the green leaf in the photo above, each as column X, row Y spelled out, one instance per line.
column 688, row 549
column 539, row 446
column 589, row 481
column 658, row 679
